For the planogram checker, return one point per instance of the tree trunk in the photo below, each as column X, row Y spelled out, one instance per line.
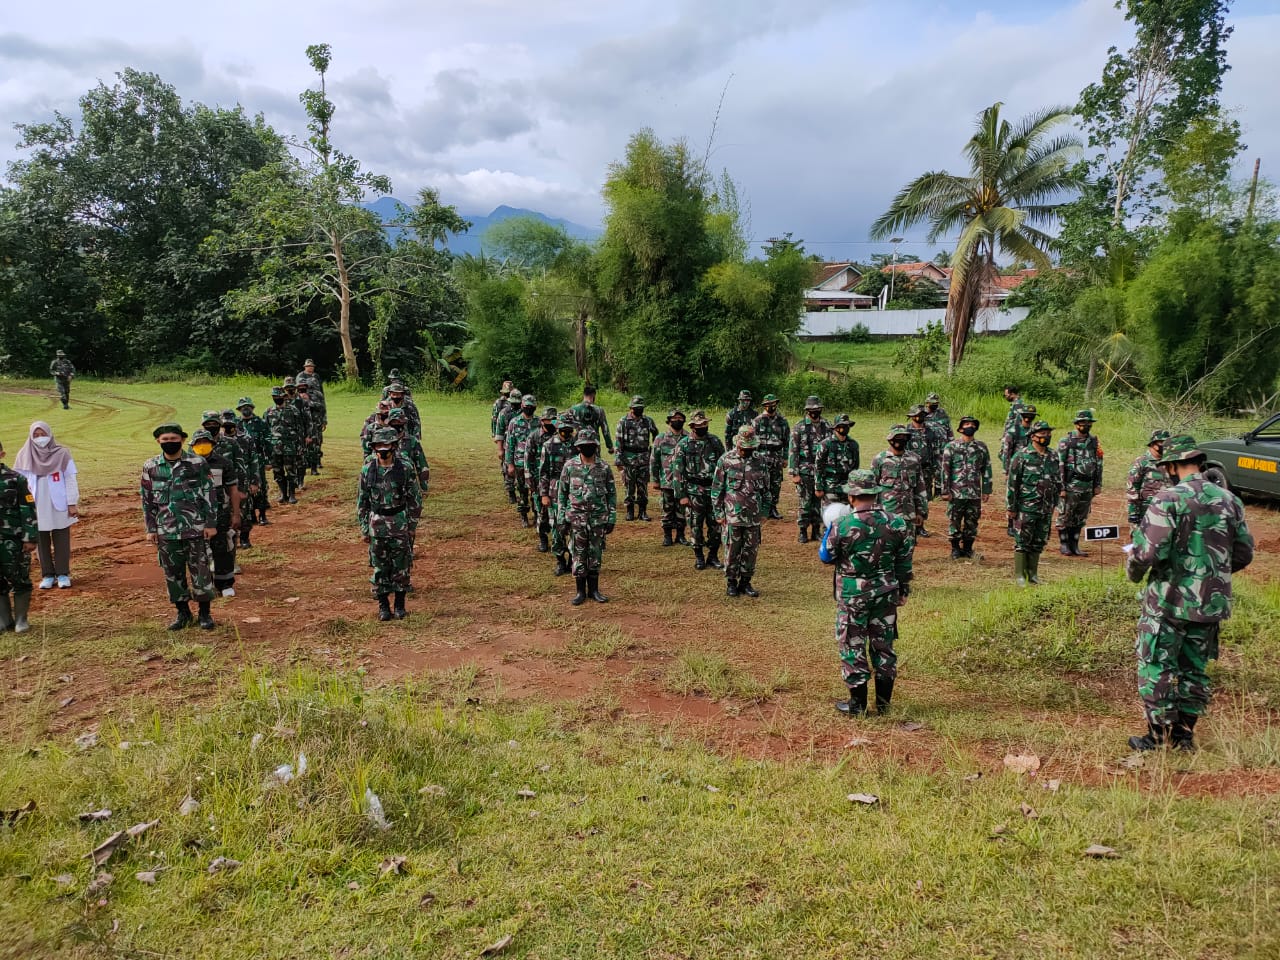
column 344, row 312
column 1093, row 376
column 580, row 342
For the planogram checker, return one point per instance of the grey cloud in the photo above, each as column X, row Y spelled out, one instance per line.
column 461, row 110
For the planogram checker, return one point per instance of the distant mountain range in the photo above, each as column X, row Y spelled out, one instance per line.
column 470, row 242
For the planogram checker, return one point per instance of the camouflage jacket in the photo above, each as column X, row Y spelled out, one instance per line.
column 1015, row 414
column 251, row 465
column 738, row 490
column 366, row 433
column 903, row 474
column 519, row 429
column 257, row 430
column 303, row 406
column 921, row 443
column 586, row 495
column 226, row 470
column 871, row 550
column 805, row 437
column 315, row 389
column 389, row 499
column 412, row 417
column 1016, row 437
column 735, row 419
column 498, row 406
column 965, row 470
column 555, row 453
column 774, row 434
column 17, row 507
column 411, row 449
column 589, row 415
column 634, row 436
column 62, row 369
column 835, row 459
column 536, row 443
column 1035, row 481
column 939, row 436
column 942, row 420
column 287, row 427
column 1145, row 480
column 693, row 466
column 504, row 418
column 178, row 498
column 1081, row 459
column 1192, row 539
column 660, row 458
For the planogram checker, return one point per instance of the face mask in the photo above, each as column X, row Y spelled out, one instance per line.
column 815, row 414
column 202, row 449
column 213, row 429
column 566, row 435
column 171, row 447
column 842, row 431
column 1040, row 441
column 1084, row 427
column 638, row 411
column 747, row 453
column 278, row 401
column 588, row 450
column 246, row 414
column 896, row 445
column 771, row 410
column 699, row 431
column 1159, row 452
column 677, row 425
column 385, row 453
column 396, row 399
column 968, row 431
column 43, row 441
column 933, row 408
column 528, row 411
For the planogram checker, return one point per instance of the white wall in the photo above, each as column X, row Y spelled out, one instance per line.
column 903, row 322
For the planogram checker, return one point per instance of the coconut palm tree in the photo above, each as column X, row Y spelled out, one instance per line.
column 1018, row 177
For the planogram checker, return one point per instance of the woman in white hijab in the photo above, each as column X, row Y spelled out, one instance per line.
column 51, row 475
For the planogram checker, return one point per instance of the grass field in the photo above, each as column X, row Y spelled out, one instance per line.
column 659, row 777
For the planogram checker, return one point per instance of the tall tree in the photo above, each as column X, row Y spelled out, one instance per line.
column 1018, row 176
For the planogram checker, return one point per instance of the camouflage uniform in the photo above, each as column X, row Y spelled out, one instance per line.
column 257, row 430
column 179, row 502
column 635, row 433
column 319, row 407
column 922, row 441
column 250, row 465
column 285, row 422
column 1017, row 434
column 515, row 450
column 400, row 397
column 1146, row 478
column 17, row 529
column 806, row 436
column 1192, row 538
column 319, row 420
column 533, row 450
column 303, row 406
column 1081, row 457
column 937, row 415
column 500, row 424
column 388, row 508
column 964, row 478
column 660, row 469
column 902, row 477
column 773, row 433
column 555, row 453
column 587, row 414
column 62, row 370
column 1013, row 417
column 835, row 459
column 738, row 417
column 739, row 495
column 871, row 550
column 587, row 502
column 1034, row 485
column 226, row 469
column 692, row 468
column 379, row 419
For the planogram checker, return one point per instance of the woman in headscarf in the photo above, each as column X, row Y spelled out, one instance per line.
column 51, row 475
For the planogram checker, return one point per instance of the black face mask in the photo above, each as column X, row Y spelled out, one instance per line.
column 385, row 454
column 638, row 411
column 677, row 425
column 278, row 401
column 968, row 431
column 214, row 430
column 815, row 414
column 528, row 411
column 896, row 445
column 1159, row 452
column 1084, row 428
column 566, row 435
column 933, row 408
column 588, row 450
column 699, row 431
column 548, row 429
column 842, row 432
column 1040, row 441
column 171, row 446
column 747, row 453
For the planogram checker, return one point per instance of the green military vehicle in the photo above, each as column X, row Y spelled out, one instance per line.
column 1250, row 463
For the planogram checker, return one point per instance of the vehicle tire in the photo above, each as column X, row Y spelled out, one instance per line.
column 1215, row 474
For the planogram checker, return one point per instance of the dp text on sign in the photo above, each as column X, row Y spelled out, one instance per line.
column 1093, row 534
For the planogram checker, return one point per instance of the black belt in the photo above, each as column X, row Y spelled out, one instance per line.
column 699, row 482
column 387, row 513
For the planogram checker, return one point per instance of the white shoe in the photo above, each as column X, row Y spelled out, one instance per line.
column 236, row 570
column 64, row 583
column 229, row 592
column 46, row 583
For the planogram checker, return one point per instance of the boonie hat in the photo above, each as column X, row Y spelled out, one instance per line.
column 1179, row 448
column 862, row 483
column 168, row 428
column 812, row 403
column 746, row 438
column 586, row 437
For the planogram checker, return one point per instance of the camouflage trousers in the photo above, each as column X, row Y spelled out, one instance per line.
column 773, row 461
column 962, row 517
column 508, row 481
column 520, row 484
column 180, row 557
column 222, row 548
column 586, row 548
column 866, row 628
column 285, row 463
column 1173, row 659
column 541, row 514
column 64, row 388
column 1073, row 509
column 15, row 567
column 316, row 451
column 930, row 474
column 742, row 545
column 672, row 515
column 809, row 508
column 391, row 558
column 1031, row 532
column 635, row 479
column 700, row 516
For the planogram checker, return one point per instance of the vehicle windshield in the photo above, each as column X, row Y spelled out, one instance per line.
column 1269, row 431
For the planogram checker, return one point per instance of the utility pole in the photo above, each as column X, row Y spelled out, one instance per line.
column 1253, row 190
column 893, row 268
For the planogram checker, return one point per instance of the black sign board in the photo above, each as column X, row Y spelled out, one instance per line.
column 1092, row 534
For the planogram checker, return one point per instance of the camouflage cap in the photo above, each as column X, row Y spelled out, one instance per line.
column 201, row 435
column 974, row 420
column 393, row 375
column 384, row 404
column 1180, row 448
column 385, row 436
column 60, row 353
column 277, row 391
column 842, row 420
column 290, row 382
column 549, row 413
column 566, row 422
column 637, row 401
column 512, row 394
column 168, row 428
column 933, row 398
column 1028, row 411
column 303, row 386
column 1040, row 426
column 395, row 387
column 769, row 399
column 1158, row 436
column 211, row 416
column 744, row 394
column 528, row 400
column 812, row 403
column 673, row 413
column 1084, row 416
column 308, row 362
column 917, row 410
column 745, row 439
column 568, row 417
column 228, row 415
column 395, row 415
column 244, row 402
column 897, row 430
column 586, row 437
column 863, row 483
column 699, row 418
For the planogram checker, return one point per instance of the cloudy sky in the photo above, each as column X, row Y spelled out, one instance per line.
column 829, row 107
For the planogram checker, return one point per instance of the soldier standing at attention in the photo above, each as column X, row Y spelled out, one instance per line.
column 399, row 396
column 514, row 398
column 692, row 468
column 556, row 452
column 738, row 417
column 587, row 502
column 319, row 422
column 180, row 510
column 922, row 444
column 664, row 450
column 964, row 481
column 899, row 472
column 388, row 507
column 515, row 445
column 587, row 414
column 1035, row 483
column 806, row 437
column 1081, row 457
column 739, row 493
column 249, row 466
column 303, row 406
column 63, row 372
column 285, row 423
column 256, row 429
column 773, row 434
column 498, row 406
column 936, row 414
column 379, row 419
column 222, row 456
column 1146, row 478
column 1017, row 434
column 837, row 456
column 635, row 433
column 409, row 449
column 1192, row 538
column 18, row 536
column 534, row 450
column 871, row 551
column 315, row 392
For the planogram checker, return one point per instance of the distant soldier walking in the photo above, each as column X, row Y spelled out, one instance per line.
column 1017, row 434
column 63, row 372
column 964, row 481
column 1081, row 457
column 1146, row 478
column 739, row 493
column 257, row 430
column 1034, row 486
column 587, row 414
column 588, row 503
column 532, row 466
column 773, row 434
column 692, row 469
column 556, row 452
column 287, row 440
column 515, row 448
column 499, row 425
column 636, row 432
column 388, row 508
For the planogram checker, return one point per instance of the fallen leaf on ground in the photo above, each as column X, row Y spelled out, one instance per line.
column 1101, row 852
column 87, row 740
column 189, row 806
column 497, row 946
column 148, row 877
column 869, row 799
column 999, row 831
column 103, row 851
column 353, row 885
column 138, row 829
column 1052, row 785
column 64, row 880
column 393, row 865
column 63, row 704
column 973, row 778
column 711, row 789
column 432, row 790
column 911, row 726
column 13, row 816
column 513, row 744
column 94, row 816
column 1134, row 761
column 252, row 619
column 221, row 864
column 1022, row 762
column 98, row 884
column 66, row 678
column 526, row 794
column 255, row 741
column 427, row 899
column 857, row 742
column 292, row 599
column 1029, row 812
column 544, row 768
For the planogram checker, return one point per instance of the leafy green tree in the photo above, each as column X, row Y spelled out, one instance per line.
column 1017, row 178
column 1076, row 329
column 909, row 292
column 923, row 352
column 515, row 336
column 532, row 245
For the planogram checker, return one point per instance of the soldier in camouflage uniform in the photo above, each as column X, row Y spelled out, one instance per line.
column 1034, row 486
column 498, row 406
column 256, row 429
column 837, row 456
column 923, row 443
column 388, row 508
column 1017, row 434
column 692, row 468
column 1081, row 457
column 303, row 406
column 806, row 436
column 226, row 469
column 773, row 434
column 556, row 452
column 1192, row 538
column 512, row 409
column 871, row 550
column 315, row 393
column 1146, row 478
column 63, row 372
column 532, row 463
column 180, row 510
column 287, row 437
column 587, row 502
column 1013, row 397
column 738, row 417
column 739, row 494
column 18, row 537
column 319, row 421
column 393, row 376
column 660, row 469
column 964, row 481
column 409, row 449
column 250, row 466
column 898, row 470
column 587, row 414
column 936, row 414
column 635, row 434
column 515, row 449
column 399, row 396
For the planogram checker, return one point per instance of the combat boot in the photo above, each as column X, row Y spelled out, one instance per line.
column 1020, row 569
column 1155, row 737
column 399, row 612
column 184, row 618
column 1075, row 543
column 524, row 517
column 643, row 512
column 713, row 558
column 544, row 545
column 1033, row 568
column 923, row 534
column 699, row 561
column 204, row 616
column 802, row 536
column 580, row 597
column 731, row 588
column 244, row 539
column 967, row 547
column 562, row 565
column 884, row 694
column 631, row 511
column 511, row 495
column 744, row 586
column 680, row 536
column 384, row 607
column 1064, row 542
column 6, row 612
column 816, row 534
column 856, row 705
column 593, row 588
column 956, row 551
column 1180, row 736
column 293, row 492
column 262, row 520
column 773, row 513
column 21, row 605
column 284, row 490
column 666, row 537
